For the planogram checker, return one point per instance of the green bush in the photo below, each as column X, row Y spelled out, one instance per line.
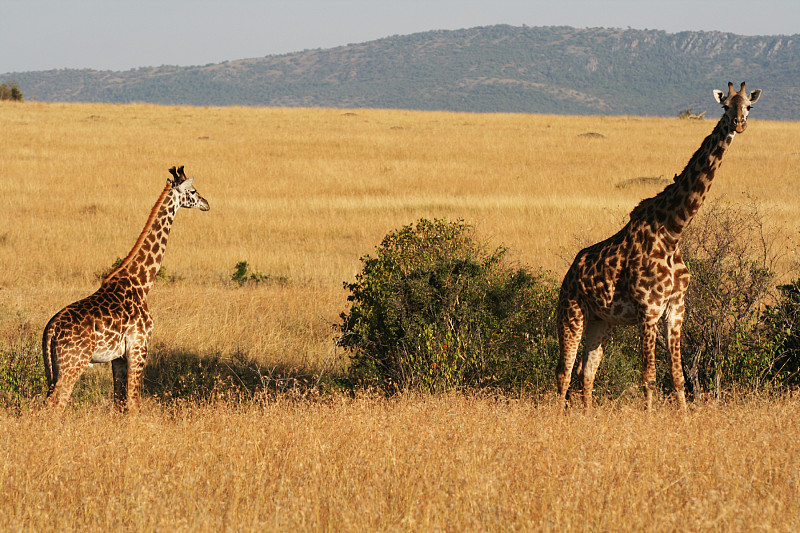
column 22, row 379
column 10, row 91
column 435, row 310
column 781, row 325
column 243, row 275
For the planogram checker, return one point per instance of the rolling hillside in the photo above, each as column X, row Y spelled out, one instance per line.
column 559, row 70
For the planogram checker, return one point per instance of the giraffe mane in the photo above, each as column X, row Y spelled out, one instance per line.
column 147, row 227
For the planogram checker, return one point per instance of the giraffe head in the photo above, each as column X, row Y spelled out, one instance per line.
column 187, row 195
column 737, row 105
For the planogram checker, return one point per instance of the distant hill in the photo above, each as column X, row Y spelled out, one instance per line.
column 558, row 70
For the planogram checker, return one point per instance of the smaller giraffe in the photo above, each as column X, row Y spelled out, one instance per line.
column 637, row 275
column 114, row 324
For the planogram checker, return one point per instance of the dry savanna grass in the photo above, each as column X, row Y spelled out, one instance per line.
column 440, row 463
column 300, row 195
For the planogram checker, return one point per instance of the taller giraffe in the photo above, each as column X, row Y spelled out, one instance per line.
column 114, row 323
column 637, row 275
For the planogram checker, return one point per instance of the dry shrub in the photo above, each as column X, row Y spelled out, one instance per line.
column 731, row 256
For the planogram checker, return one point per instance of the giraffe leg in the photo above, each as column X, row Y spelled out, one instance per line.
column 71, row 364
column 674, row 343
column 648, row 333
column 62, row 391
column 597, row 332
column 570, row 330
column 136, row 360
column 673, row 326
column 119, row 369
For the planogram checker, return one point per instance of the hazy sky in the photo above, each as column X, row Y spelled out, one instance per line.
column 125, row 34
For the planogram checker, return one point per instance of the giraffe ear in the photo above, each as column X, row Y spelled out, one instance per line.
column 754, row 96
column 185, row 185
column 719, row 96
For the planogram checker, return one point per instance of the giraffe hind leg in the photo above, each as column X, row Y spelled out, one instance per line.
column 597, row 333
column 570, row 330
column 67, row 377
column 68, row 362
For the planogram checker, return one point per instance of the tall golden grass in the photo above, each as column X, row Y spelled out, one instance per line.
column 301, row 194
column 442, row 463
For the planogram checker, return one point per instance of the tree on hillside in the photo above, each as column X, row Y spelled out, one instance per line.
column 10, row 91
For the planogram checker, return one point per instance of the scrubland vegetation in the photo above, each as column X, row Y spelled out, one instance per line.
column 247, row 422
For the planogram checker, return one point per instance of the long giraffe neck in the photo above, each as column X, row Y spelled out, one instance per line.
column 140, row 267
column 675, row 206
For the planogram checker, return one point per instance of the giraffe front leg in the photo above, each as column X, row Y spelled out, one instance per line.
column 674, row 342
column 597, row 333
column 119, row 369
column 673, row 326
column 648, row 333
column 136, row 359
column 570, row 330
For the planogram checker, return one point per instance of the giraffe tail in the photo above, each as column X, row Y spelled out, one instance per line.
column 49, row 355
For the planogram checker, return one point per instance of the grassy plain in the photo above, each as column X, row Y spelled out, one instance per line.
column 441, row 463
column 301, row 194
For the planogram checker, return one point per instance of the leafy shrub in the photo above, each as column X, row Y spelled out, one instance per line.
column 243, row 275
column 781, row 325
column 22, row 378
column 435, row 310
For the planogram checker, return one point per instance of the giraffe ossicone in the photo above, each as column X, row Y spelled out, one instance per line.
column 114, row 324
column 637, row 276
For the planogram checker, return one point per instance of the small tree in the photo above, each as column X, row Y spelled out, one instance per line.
column 435, row 310
column 10, row 91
